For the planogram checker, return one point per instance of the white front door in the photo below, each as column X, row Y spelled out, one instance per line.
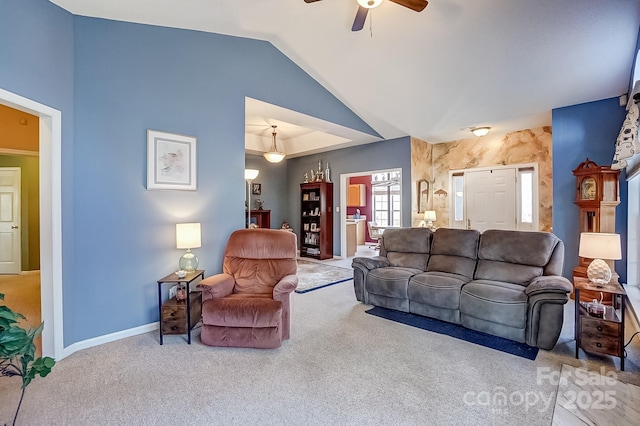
column 491, row 199
column 10, row 250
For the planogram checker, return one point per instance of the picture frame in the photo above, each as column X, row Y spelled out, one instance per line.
column 171, row 161
column 313, row 226
column 305, row 197
column 256, row 189
column 306, row 226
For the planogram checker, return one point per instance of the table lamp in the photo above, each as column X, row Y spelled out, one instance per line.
column 249, row 176
column 429, row 217
column 599, row 246
column 188, row 237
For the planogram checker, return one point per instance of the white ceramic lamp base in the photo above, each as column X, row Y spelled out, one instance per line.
column 599, row 272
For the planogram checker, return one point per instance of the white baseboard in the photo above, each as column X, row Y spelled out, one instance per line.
column 95, row 341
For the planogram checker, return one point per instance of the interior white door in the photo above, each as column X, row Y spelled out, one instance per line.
column 491, row 199
column 10, row 249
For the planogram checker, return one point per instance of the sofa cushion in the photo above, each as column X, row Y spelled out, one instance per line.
column 495, row 301
column 439, row 289
column 454, row 251
column 391, row 281
column 406, row 247
column 514, row 256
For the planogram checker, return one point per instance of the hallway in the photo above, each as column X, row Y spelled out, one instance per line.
column 22, row 295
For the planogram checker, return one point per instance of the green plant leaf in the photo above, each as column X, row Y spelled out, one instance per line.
column 13, row 341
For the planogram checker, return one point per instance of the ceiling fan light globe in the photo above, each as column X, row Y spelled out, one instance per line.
column 369, row 4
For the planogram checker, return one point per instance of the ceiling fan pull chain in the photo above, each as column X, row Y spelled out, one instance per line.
column 371, row 24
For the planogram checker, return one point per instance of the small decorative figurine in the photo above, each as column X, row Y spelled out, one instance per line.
column 326, row 173
column 313, row 176
column 306, row 178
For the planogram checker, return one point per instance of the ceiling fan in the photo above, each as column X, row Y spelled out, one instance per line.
column 365, row 5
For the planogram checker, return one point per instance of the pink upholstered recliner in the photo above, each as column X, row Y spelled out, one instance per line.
column 248, row 304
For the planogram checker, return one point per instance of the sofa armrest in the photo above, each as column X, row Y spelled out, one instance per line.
column 361, row 267
column 285, row 286
column 370, row 263
column 215, row 286
column 549, row 284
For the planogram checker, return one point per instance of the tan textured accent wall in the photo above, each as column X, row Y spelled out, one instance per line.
column 433, row 162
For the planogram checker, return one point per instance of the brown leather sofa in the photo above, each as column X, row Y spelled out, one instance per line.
column 248, row 304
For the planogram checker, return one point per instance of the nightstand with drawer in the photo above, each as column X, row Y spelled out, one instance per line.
column 180, row 316
column 601, row 335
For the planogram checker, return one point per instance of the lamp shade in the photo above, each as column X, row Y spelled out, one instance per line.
column 430, row 215
column 188, row 235
column 251, row 174
column 600, row 245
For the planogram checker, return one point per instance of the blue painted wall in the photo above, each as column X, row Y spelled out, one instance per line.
column 113, row 81
column 389, row 154
column 130, row 78
column 37, row 62
column 581, row 131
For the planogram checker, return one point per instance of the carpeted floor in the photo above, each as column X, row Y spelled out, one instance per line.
column 314, row 275
column 341, row 367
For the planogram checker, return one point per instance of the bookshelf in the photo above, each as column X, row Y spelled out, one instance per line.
column 316, row 220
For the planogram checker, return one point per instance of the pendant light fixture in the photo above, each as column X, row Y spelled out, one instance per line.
column 274, row 156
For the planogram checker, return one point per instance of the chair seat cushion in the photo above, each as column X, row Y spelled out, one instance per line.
column 256, row 312
column 391, row 281
column 495, row 301
column 439, row 289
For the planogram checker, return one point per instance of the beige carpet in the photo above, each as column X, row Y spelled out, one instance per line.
column 314, row 275
column 341, row 367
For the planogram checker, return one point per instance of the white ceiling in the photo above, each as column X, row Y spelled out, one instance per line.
column 432, row 75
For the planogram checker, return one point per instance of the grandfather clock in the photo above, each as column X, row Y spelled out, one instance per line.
column 597, row 196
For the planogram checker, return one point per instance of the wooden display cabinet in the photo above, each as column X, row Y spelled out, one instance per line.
column 316, row 220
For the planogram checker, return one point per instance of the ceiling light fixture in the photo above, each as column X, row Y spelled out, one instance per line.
column 480, row 131
column 369, row 4
column 274, row 156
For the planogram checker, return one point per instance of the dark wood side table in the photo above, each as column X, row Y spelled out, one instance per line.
column 600, row 335
column 172, row 313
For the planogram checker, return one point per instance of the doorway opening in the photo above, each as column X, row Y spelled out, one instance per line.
column 50, row 141
column 501, row 197
column 369, row 198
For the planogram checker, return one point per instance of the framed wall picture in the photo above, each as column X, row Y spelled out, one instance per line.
column 256, row 189
column 171, row 161
column 314, row 226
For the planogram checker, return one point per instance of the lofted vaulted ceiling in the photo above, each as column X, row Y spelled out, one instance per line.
column 433, row 74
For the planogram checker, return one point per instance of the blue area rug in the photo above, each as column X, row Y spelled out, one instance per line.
column 457, row 331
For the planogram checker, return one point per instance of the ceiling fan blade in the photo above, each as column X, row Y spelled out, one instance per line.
column 417, row 5
column 361, row 16
column 310, row 1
